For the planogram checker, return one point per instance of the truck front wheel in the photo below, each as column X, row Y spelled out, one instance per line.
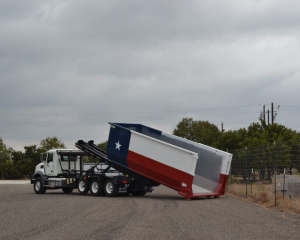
column 110, row 188
column 96, row 187
column 83, row 186
column 38, row 186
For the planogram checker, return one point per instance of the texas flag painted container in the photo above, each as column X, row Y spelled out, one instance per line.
column 193, row 169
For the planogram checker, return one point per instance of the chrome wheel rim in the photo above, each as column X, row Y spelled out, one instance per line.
column 109, row 187
column 81, row 186
column 95, row 187
column 37, row 186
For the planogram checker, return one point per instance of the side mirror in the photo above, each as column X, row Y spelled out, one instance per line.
column 42, row 157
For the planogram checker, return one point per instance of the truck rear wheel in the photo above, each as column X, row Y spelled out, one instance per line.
column 83, row 186
column 96, row 187
column 38, row 186
column 67, row 190
column 110, row 188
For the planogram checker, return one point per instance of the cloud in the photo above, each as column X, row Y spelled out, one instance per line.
column 88, row 59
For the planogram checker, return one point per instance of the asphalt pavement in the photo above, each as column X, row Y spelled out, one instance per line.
column 162, row 214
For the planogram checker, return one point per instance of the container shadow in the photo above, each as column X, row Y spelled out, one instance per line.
column 124, row 195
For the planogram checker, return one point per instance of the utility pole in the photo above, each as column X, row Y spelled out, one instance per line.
column 222, row 128
column 268, row 117
column 264, row 113
column 272, row 110
column 246, row 171
column 275, row 170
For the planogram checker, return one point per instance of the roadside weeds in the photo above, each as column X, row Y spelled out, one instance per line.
column 262, row 194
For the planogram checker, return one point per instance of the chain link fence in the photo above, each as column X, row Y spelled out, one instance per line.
column 269, row 172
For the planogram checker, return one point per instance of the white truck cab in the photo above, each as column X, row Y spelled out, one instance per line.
column 59, row 168
column 56, row 163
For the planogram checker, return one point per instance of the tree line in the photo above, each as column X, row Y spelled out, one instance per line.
column 259, row 147
column 19, row 165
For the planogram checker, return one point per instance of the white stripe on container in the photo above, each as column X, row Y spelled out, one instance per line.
column 163, row 152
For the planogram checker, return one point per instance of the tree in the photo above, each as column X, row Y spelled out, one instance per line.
column 32, row 153
column 90, row 159
column 50, row 143
column 198, row 131
column 17, row 156
column 5, row 152
column 103, row 145
column 6, row 165
column 8, row 171
column 259, row 138
column 17, row 164
column 232, row 139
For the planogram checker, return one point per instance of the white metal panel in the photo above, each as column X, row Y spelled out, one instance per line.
column 200, row 190
column 226, row 162
column 162, row 142
column 205, row 153
column 167, row 154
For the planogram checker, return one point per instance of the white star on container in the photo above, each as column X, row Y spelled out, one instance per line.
column 118, row 145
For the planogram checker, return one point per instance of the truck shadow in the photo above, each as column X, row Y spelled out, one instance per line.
column 164, row 197
column 120, row 195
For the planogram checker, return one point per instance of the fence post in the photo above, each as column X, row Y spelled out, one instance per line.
column 283, row 190
column 274, row 160
column 246, row 171
column 251, row 179
column 228, row 174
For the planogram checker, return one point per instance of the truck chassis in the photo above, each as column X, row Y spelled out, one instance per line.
column 94, row 179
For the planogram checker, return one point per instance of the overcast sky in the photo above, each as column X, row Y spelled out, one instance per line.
column 67, row 68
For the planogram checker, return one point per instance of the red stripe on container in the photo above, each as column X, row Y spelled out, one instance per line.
column 223, row 183
column 160, row 172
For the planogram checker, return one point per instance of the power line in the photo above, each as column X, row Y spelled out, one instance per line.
column 290, row 106
column 59, row 137
column 71, row 130
column 63, row 114
column 139, row 120
column 289, row 113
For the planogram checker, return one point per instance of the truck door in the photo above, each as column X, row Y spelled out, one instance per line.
column 49, row 164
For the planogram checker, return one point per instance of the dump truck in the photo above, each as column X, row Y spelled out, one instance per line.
column 142, row 158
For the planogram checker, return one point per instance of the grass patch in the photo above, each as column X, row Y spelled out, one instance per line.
column 263, row 195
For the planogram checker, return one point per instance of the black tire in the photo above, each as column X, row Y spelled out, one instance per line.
column 67, row 190
column 38, row 186
column 110, row 188
column 138, row 193
column 83, row 186
column 96, row 187
column 216, row 196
